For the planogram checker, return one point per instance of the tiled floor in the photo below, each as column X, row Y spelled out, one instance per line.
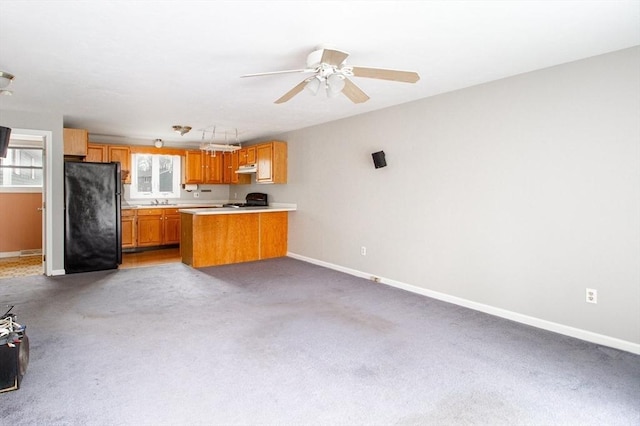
column 32, row 265
column 20, row 266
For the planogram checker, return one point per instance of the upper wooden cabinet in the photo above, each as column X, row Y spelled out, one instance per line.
column 237, row 178
column 212, row 168
column 121, row 154
column 247, row 156
column 75, row 142
column 272, row 162
column 193, row 167
column 101, row 153
column 97, row 153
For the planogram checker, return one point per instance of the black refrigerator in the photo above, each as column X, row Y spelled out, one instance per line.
column 92, row 228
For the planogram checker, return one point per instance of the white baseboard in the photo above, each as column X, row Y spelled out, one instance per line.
column 578, row 333
column 9, row 254
column 56, row 272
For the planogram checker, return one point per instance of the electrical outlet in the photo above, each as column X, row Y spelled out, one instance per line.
column 196, row 195
column 592, row 295
column 363, row 251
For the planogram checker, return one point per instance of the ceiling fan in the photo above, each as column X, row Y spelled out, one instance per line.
column 329, row 71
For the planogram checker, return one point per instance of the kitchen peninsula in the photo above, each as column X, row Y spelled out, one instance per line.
column 220, row 236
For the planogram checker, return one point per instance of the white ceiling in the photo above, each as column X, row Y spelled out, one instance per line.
column 129, row 70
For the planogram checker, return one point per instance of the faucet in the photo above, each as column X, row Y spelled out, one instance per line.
column 155, row 202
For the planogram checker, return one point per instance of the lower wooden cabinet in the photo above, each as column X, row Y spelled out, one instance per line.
column 128, row 229
column 221, row 239
column 150, row 227
column 171, row 226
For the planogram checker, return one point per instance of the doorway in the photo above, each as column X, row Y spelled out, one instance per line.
column 25, row 177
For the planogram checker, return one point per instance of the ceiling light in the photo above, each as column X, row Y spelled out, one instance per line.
column 335, row 84
column 181, row 129
column 313, row 85
column 5, row 81
column 158, row 143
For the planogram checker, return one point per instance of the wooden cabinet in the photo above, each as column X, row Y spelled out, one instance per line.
column 170, row 226
column 202, row 167
column 97, row 153
column 193, row 167
column 150, row 227
column 128, row 228
column 230, row 163
column 221, row 239
column 213, row 168
column 122, row 155
column 272, row 162
column 101, row 153
column 75, row 142
column 247, row 156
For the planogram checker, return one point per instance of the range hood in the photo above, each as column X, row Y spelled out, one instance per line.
column 249, row 168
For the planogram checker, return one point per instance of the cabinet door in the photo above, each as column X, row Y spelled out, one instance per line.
column 75, row 142
column 193, row 167
column 272, row 162
column 232, row 162
column 213, row 171
column 128, row 231
column 251, row 155
column 227, row 167
column 242, row 157
column 149, row 227
column 171, row 227
column 122, row 155
column 264, row 155
column 96, row 153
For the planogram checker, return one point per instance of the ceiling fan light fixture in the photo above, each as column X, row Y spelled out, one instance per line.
column 5, row 79
column 313, row 85
column 335, row 83
column 182, row 130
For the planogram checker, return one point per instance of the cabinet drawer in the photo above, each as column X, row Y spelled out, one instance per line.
column 170, row 211
column 127, row 212
column 149, row 212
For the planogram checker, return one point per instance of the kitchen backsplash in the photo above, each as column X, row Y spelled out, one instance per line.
column 205, row 193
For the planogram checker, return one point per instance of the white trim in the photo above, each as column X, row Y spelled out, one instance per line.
column 56, row 272
column 503, row 313
column 9, row 254
column 47, row 138
column 21, row 189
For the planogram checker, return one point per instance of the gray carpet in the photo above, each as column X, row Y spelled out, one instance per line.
column 289, row 343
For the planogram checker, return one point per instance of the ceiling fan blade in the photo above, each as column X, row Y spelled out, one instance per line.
column 333, row 57
column 386, row 74
column 353, row 92
column 278, row 72
column 291, row 93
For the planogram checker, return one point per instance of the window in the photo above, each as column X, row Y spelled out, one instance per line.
column 22, row 167
column 155, row 176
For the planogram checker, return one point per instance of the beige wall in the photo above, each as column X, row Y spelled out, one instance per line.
column 515, row 195
column 20, row 222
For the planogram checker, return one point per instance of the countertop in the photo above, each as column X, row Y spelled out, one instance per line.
column 275, row 207
column 170, row 206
